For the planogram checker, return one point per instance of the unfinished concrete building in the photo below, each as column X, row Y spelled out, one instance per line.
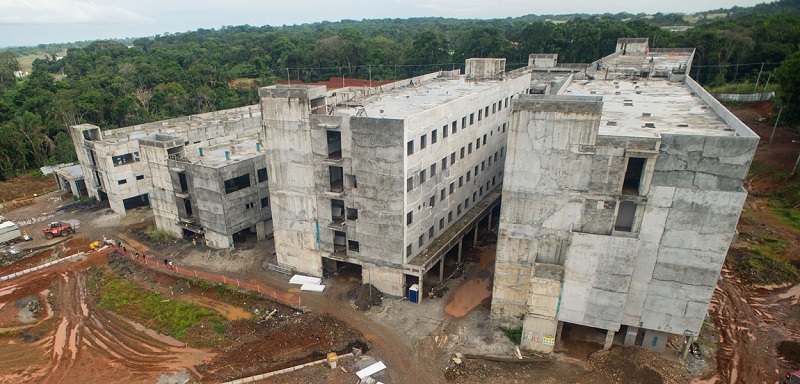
column 621, row 198
column 387, row 178
column 161, row 164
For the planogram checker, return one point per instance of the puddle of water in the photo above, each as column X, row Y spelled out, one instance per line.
column 470, row 294
column 158, row 336
column 60, row 339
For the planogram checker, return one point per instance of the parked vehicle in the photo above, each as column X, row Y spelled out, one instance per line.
column 57, row 228
column 9, row 232
column 792, row 378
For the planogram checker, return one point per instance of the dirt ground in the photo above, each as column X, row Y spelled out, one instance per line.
column 754, row 322
column 52, row 330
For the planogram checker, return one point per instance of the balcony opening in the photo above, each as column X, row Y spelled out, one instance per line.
column 123, row 159
column 187, row 207
column 339, row 242
column 633, row 176
column 237, row 183
column 352, row 214
column 184, row 186
column 625, row 216
column 337, row 184
column 334, row 145
column 337, row 211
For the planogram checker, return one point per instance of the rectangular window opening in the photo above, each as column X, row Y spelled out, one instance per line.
column 262, row 175
column 625, row 216
column 633, row 176
column 334, row 145
column 237, row 183
column 336, row 179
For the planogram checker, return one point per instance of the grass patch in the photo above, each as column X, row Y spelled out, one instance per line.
column 159, row 235
column 513, row 334
column 148, row 307
column 760, row 267
column 743, row 88
column 788, row 216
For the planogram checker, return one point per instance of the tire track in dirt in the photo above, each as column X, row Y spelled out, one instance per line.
column 749, row 326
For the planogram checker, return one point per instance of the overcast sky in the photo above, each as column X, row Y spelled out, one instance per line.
column 31, row 22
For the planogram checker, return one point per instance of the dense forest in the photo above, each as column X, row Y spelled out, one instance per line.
column 111, row 84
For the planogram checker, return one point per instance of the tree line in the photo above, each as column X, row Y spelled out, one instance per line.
column 111, row 84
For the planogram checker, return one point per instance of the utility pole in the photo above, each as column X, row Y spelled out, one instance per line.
column 755, row 89
column 775, row 126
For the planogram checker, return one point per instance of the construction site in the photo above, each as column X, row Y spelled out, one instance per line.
column 551, row 224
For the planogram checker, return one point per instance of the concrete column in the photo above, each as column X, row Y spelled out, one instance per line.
column 687, row 340
column 630, row 336
column 419, row 296
column 261, row 232
column 609, row 340
column 489, row 224
column 559, row 331
column 460, row 245
column 475, row 240
column 441, row 269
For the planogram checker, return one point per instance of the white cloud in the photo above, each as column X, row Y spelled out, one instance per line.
column 65, row 12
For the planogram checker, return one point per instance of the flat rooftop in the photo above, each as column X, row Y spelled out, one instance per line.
column 658, row 60
column 400, row 103
column 214, row 156
column 672, row 107
column 175, row 126
column 73, row 172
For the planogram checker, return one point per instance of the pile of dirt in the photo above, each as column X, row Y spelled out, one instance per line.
column 366, row 296
column 636, row 365
column 280, row 343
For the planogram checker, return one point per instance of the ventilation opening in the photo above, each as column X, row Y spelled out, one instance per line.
column 627, row 104
column 649, row 125
column 646, row 114
column 612, row 123
column 683, row 125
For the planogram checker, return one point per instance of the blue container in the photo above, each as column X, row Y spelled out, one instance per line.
column 413, row 293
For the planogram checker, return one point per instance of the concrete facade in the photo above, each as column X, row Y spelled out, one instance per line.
column 160, row 165
column 70, row 179
column 620, row 200
column 379, row 177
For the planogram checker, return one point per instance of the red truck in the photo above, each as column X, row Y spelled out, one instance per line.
column 792, row 378
column 59, row 228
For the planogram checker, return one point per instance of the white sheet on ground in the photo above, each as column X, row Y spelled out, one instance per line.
column 371, row 370
column 300, row 279
column 312, row 287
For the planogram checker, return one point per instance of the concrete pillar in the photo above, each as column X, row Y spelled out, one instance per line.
column 261, row 232
column 419, row 296
column 460, row 245
column 559, row 331
column 489, row 224
column 687, row 343
column 75, row 191
column 441, row 269
column 609, row 340
column 630, row 336
column 475, row 240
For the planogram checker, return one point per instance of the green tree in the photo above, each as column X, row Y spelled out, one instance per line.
column 788, row 76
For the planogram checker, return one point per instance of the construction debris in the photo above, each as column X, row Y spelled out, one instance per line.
column 371, row 370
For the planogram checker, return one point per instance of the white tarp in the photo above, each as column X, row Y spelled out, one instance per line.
column 300, row 279
column 371, row 370
column 312, row 287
